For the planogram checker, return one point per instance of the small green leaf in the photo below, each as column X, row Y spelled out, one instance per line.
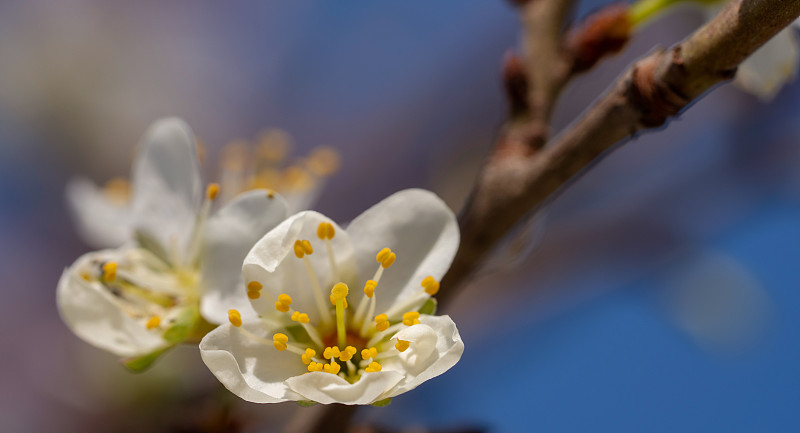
column 306, row 403
column 139, row 364
column 382, row 403
column 183, row 325
column 429, row 307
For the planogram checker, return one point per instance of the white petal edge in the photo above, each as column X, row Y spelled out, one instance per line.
column 166, row 184
column 328, row 388
column 419, row 227
column 448, row 350
column 272, row 263
column 766, row 71
column 90, row 313
column 251, row 369
column 101, row 222
column 228, row 236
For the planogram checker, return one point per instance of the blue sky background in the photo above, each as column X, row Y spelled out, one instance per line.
column 661, row 295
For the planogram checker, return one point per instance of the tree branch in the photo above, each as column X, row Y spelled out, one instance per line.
column 515, row 181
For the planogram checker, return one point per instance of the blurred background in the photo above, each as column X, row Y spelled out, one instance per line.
column 658, row 293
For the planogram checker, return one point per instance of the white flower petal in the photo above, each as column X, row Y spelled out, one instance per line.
column 419, row 227
column 228, row 236
column 328, row 388
column 93, row 315
column 166, row 184
column 250, row 368
column 435, row 347
column 770, row 67
column 272, row 263
column 101, row 222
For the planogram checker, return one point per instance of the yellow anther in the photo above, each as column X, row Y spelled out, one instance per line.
column 373, row 367
column 339, row 291
column 110, row 271
column 252, row 294
column 315, row 366
column 212, row 191
column 323, row 161
column 402, row 345
column 411, row 318
column 153, row 322
column 325, row 231
column 369, row 353
column 369, row 288
column 254, row 286
column 331, row 352
column 382, row 322
column 431, row 285
column 270, row 193
column 279, row 341
column 283, row 303
column 300, row 317
column 235, row 318
column 86, row 276
column 385, row 257
column 310, row 354
column 118, row 190
column 347, row 354
column 302, row 248
column 332, row 368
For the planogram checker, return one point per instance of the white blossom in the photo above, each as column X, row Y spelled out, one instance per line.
column 320, row 338
column 179, row 263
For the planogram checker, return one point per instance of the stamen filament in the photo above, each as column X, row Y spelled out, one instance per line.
column 382, row 334
column 332, row 259
column 338, row 294
column 324, row 312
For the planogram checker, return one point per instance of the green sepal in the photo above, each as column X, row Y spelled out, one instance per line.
column 382, row 403
column 141, row 363
column 429, row 307
column 183, row 326
column 306, row 403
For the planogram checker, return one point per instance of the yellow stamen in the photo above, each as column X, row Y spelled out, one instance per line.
column 212, row 191
column 347, row 354
column 300, row 317
column 154, row 322
column 254, row 286
column 296, row 178
column 302, row 248
column 411, row 318
column 270, row 193
column 332, row 368
column 402, row 345
column 331, row 352
column 110, row 271
column 369, row 353
column 369, row 288
column 338, row 294
column 235, row 318
column 306, row 357
column 273, row 145
column 382, row 322
column 373, row 367
column 385, row 257
column 431, row 285
column 323, row 161
column 283, row 303
column 279, row 341
column 326, row 231
column 118, row 190
column 86, row 276
column 253, row 294
column 314, row 366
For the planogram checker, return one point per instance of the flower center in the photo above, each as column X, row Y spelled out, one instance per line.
column 343, row 342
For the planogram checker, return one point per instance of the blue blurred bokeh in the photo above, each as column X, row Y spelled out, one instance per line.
column 662, row 294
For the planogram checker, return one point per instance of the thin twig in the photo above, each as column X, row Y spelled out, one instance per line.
column 515, row 181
